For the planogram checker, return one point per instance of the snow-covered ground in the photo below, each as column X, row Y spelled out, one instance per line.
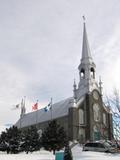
column 42, row 155
column 78, row 154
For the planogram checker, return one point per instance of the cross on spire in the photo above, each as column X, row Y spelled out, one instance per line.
column 83, row 18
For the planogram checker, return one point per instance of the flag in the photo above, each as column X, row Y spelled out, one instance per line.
column 48, row 107
column 35, row 106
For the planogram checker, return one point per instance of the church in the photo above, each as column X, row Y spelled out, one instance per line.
column 84, row 116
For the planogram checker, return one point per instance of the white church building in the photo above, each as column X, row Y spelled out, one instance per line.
column 83, row 115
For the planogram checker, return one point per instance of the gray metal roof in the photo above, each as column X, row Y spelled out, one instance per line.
column 59, row 109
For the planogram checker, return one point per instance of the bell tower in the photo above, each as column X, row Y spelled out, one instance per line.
column 86, row 68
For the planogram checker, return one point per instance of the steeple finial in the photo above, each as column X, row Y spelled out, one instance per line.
column 74, row 90
column 83, row 18
column 74, row 84
column 100, row 85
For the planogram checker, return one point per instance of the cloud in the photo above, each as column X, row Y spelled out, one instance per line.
column 108, row 58
column 40, row 49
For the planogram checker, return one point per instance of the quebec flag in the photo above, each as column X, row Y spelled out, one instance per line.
column 48, row 107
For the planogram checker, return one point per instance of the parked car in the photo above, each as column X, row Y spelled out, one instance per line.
column 99, row 147
column 113, row 144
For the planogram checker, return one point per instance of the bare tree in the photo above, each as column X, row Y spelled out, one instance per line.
column 114, row 103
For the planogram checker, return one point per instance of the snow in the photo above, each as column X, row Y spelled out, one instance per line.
column 42, row 155
column 78, row 154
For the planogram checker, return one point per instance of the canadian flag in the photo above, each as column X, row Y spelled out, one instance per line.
column 35, row 107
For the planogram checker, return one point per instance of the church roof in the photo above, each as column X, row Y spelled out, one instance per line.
column 59, row 109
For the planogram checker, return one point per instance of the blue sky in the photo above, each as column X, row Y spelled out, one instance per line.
column 40, row 49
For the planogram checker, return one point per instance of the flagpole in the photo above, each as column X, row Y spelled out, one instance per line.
column 20, row 122
column 24, row 104
column 51, row 110
column 21, row 112
column 37, row 114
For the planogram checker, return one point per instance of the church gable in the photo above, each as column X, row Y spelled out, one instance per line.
column 96, row 116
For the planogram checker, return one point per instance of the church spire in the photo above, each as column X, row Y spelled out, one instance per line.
column 86, row 55
column 86, row 68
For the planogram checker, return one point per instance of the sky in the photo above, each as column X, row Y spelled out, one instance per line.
column 40, row 49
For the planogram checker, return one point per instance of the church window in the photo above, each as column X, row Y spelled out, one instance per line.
column 104, row 118
column 95, row 95
column 81, row 135
column 96, row 133
column 96, row 112
column 92, row 72
column 95, row 129
column 82, row 73
column 81, row 116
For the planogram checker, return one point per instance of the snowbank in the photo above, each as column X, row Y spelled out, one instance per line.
column 78, row 154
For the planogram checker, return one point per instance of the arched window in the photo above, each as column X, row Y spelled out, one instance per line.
column 96, row 112
column 95, row 129
column 81, row 116
column 82, row 73
column 96, row 133
column 104, row 118
column 81, row 135
column 92, row 73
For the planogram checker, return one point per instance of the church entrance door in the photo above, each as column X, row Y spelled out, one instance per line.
column 96, row 136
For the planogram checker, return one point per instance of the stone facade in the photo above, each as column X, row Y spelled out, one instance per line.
column 90, row 120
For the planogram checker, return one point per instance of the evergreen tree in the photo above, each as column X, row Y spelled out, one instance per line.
column 11, row 137
column 3, row 137
column 54, row 137
column 67, row 153
column 30, row 140
column 3, row 144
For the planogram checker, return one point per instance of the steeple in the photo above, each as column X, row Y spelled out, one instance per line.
column 86, row 68
column 86, row 55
